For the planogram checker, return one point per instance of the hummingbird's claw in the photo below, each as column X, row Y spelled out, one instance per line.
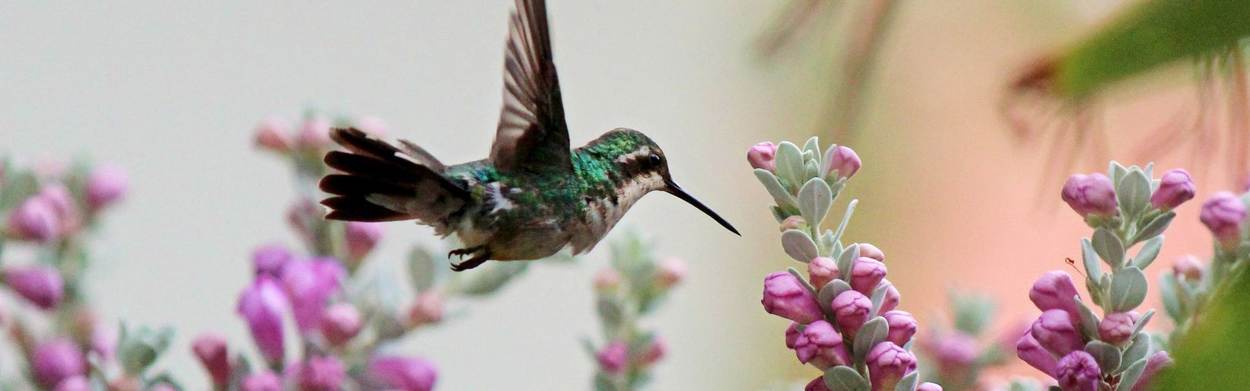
column 482, row 255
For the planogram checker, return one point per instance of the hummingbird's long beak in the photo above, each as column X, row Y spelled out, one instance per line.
column 674, row 189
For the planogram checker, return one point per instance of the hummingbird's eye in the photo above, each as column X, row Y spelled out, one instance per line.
column 655, row 160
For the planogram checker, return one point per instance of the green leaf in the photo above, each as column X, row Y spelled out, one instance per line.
column 1171, row 302
column 1148, row 252
column 790, row 163
column 422, row 269
column 1088, row 321
column 1141, row 322
column 871, row 333
column 1129, row 378
column 812, row 146
column 908, row 383
column 798, row 245
column 831, row 290
column 1145, row 36
column 847, row 259
column 781, row 196
column 1133, row 193
column 878, row 297
column 1138, row 349
column 844, row 378
column 1213, row 354
column 1116, row 171
column 1107, row 355
column 1156, row 226
column 846, row 219
column 1108, row 247
column 1090, row 259
column 1128, row 289
column 815, row 198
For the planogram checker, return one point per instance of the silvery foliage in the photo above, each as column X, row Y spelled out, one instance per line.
column 800, row 186
column 970, row 314
column 621, row 310
column 1116, row 280
column 1183, row 299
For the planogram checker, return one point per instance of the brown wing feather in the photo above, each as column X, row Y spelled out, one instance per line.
column 532, row 133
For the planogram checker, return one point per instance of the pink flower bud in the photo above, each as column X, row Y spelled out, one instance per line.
column 866, row 274
column 340, row 323
column 1029, row 350
column 655, row 351
column 926, row 386
column 262, row 304
column 870, row 251
column 308, row 284
column 1078, row 371
column 1056, row 331
column 892, row 297
column 361, row 238
column 817, row 384
column 841, row 159
column 40, row 285
column 820, row 345
column 902, row 327
column 763, row 156
column 320, row 373
column 273, row 134
column 301, row 216
column 887, row 364
column 1175, row 187
column 76, row 383
column 427, row 308
column 314, row 134
column 401, row 373
column 1091, row 194
column 1223, row 214
column 211, row 350
column 57, row 360
column 613, row 357
column 785, row 296
column 793, row 222
column 821, row 270
column 1117, row 328
column 1188, row 268
column 954, row 352
column 1054, row 290
column 106, row 185
column 670, row 272
column 792, row 335
column 372, row 125
column 103, row 342
column 851, row 309
column 62, row 202
column 34, row 220
column 607, row 280
column 269, row 259
column 263, row 381
column 1157, row 361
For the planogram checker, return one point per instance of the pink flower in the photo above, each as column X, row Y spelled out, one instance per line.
column 866, row 274
column 870, row 251
column 1157, row 361
column 902, row 327
column 851, row 310
column 76, row 383
column 655, row 351
column 427, row 308
column 1057, row 332
column 308, row 284
column 314, row 134
column 763, row 156
column 106, row 185
column 926, row 386
column 1223, row 214
column 320, row 373
column 1091, row 194
column 887, row 364
column 1117, row 328
column 822, row 270
column 613, row 357
column 953, row 352
column 793, row 222
column 40, row 285
column 1055, row 291
column 1029, row 350
column 841, row 159
column 785, row 296
column 34, row 220
column 274, row 134
column 63, row 203
column 57, row 360
column 263, row 381
column 401, row 373
column 211, row 350
column 607, row 280
column 792, row 335
column 1078, row 371
column 670, row 272
column 1188, row 268
column 269, row 259
column 892, row 297
column 262, row 305
column 817, row 384
column 1175, row 187
column 820, row 345
column 361, row 238
column 372, row 125
column 340, row 323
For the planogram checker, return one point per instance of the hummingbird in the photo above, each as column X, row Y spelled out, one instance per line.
column 532, row 196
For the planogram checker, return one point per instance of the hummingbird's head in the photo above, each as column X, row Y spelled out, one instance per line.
column 637, row 159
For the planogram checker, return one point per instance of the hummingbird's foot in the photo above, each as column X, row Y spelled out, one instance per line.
column 480, row 256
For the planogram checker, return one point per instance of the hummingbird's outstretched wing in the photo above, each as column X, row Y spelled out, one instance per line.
column 532, row 134
column 380, row 182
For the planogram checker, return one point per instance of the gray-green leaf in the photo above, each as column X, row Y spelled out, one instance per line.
column 1149, row 251
column 815, row 198
column 1128, row 289
column 781, row 196
column 908, row 383
column 799, row 246
column 844, row 378
column 1107, row 355
column 871, row 333
column 790, row 163
column 1129, row 378
column 1108, row 247
column 1133, row 192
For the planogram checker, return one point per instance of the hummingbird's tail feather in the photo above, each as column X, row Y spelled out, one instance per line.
column 379, row 183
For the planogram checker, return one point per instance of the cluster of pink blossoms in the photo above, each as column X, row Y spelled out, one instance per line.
column 843, row 312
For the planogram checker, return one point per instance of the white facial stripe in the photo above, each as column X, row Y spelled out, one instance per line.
column 639, row 154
